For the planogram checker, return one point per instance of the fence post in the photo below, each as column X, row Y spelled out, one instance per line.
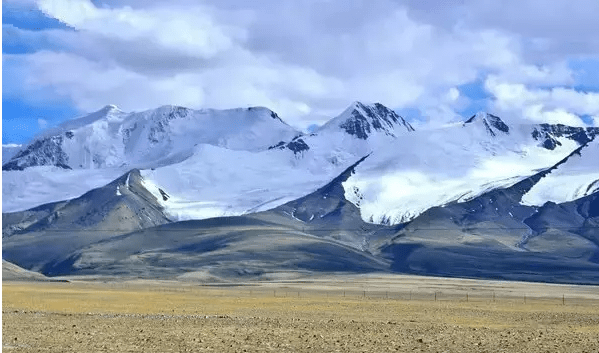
column 466, row 297
column 563, row 299
column 435, row 296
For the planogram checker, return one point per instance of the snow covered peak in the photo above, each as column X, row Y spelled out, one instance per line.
column 165, row 135
column 109, row 113
column 491, row 123
column 265, row 111
column 362, row 120
column 110, row 107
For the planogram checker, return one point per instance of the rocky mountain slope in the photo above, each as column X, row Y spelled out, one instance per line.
column 240, row 193
column 38, row 238
column 491, row 236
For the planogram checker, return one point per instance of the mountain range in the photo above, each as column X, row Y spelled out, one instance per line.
column 218, row 194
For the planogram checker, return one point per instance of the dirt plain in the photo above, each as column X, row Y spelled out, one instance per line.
column 328, row 314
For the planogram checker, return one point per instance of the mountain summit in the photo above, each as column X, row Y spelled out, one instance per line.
column 492, row 124
column 363, row 120
column 165, row 135
column 238, row 192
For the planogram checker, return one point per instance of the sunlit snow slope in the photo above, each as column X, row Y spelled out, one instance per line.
column 34, row 186
column 220, row 182
column 217, row 181
column 455, row 163
column 575, row 178
column 88, row 152
column 207, row 163
column 162, row 136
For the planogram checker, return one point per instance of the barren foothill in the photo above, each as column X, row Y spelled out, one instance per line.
column 328, row 314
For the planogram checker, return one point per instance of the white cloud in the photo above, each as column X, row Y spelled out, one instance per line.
column 305, row 60
column 190, row 30
column 58, row 75
column 549, row 30
column 90, row 84
column 42, row 123
column 553, row 105
column 452, row 95
column 548, row 75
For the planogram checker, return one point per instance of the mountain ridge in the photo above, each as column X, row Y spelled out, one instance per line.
column 448, row 240
column 226, row 168
column 361, row 120
column 111, row 138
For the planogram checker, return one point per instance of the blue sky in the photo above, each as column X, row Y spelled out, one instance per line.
column 23, row 118
column 528, row 60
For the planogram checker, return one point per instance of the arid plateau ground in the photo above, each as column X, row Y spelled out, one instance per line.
column 324, row 314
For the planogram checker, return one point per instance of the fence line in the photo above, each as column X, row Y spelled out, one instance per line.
column 474, row 296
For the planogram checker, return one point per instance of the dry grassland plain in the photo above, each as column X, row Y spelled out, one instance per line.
column 354, row 314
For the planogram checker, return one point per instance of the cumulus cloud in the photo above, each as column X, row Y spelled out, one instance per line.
column 549, row 30
column 42, row 123
column 306, row 60
column 554, row 105
column 190, row 30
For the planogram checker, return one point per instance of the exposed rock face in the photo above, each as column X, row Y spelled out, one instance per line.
column 364, row 119
column 493, row 124
column 297, row 145
column 46, row 151
column 547, row 134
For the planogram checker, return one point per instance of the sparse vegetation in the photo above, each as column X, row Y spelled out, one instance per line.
column 326, row 314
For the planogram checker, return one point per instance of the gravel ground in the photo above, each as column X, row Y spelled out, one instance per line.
column 99, row 318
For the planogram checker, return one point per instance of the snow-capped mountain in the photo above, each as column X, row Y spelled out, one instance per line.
column 112, row 138
column 479, row 198
column 241, row 160
column 456, row 163
column 213, row 163
column 34, row 186
column 364, row 120
column 356, row 131
column 492, row 124
column 575, row 178
column 206, row 185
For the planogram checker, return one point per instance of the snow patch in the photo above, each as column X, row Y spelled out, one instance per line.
column 217, row 181
column 424, row 169
column 576, row 178
column 34, row 186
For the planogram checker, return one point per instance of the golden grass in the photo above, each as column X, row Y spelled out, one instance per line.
column 39, row 313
